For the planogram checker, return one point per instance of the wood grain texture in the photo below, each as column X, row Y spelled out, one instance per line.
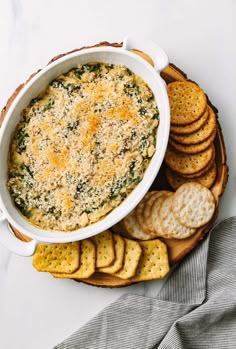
column 177, row 249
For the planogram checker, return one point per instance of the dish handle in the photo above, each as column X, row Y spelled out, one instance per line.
column 149, row 47
column 12, row 243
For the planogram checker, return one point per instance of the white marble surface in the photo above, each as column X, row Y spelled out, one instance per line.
column 37, row 311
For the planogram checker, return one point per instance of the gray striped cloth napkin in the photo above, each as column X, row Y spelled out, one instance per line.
column 196, row 308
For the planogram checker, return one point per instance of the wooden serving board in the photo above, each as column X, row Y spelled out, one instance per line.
column 177, row 249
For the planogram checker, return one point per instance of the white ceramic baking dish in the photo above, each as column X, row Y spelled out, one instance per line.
column 122, row 55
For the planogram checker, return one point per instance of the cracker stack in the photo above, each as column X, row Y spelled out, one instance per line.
column 169, row 215
column 191, row 153
column 107, row 253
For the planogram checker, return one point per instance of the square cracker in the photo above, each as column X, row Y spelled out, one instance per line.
column 153, row 263
column 105, row 249
column 119, row 256
column 62, row 258
column 87, row 262
column 132, row 255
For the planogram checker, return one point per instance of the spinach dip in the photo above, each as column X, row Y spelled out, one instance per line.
column 82, row 146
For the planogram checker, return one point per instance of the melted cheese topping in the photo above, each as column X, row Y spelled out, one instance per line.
column 82, row 146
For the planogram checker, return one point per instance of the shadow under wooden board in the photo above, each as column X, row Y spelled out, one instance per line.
column 177, row 249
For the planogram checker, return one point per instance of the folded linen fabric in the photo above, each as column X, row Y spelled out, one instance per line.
column 196, row 308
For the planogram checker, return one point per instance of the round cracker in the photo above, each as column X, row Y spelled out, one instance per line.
column 188, row 164
column 139, row 212
column 187, row 102
column 194, row 148
column 200, row 135
column 200, row 173
column 155, row 217
column 207, row 179
column 132, row 227
column 190, row 128
column 193, row 205
column 147, row 213
column 171, row 228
